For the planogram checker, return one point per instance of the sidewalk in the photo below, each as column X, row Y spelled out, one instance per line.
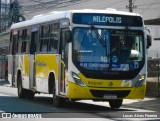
column 148, row 103
column 4, row 83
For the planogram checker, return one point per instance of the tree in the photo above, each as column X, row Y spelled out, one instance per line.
column 15, row 12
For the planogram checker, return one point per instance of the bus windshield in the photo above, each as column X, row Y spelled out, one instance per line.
column 107, row 49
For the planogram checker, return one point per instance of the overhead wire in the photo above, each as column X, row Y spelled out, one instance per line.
column 41, row 5
column 48, row 3
column 149, row 6
column 37, row 7
column 134, row 1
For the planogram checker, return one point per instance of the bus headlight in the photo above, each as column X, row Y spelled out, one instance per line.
column 140, row 81
column 77, row 80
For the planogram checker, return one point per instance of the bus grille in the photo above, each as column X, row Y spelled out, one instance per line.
column 118, row 93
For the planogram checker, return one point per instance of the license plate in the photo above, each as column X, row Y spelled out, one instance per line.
column 110, row 96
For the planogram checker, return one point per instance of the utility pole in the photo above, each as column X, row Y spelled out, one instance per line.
column 0, row 17
column 131, row 6
column 5, row 16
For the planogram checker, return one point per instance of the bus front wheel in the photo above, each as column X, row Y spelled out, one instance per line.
column 116, row 103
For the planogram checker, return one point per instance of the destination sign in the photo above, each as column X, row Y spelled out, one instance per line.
column 107, row 19
column 104, row 19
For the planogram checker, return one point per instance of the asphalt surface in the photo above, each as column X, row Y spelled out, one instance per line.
column 148, row 103
column 85, row 108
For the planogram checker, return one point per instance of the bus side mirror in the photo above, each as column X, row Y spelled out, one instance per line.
column 149, row 41
column 68, row 36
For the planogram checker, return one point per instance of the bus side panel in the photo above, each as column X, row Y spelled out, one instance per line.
column 10, row 69
column 46, row 63
column 22, row 64
column 31, row 72
column 25, row 73
column 139, row 92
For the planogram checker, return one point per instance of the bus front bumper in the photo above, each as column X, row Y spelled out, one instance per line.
column 84, row 92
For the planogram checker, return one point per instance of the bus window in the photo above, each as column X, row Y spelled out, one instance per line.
column 28, row 40
column 28, row 36
column 44, row 38
column 45, row 31
column 53, row 45
column 19, row 42
column 54, row 37
column 11, row 43
column 44, row 45
column 64, row 46
column 23, row 49
column 54, row 29
column 25, row 40
column 14, row 44
column 33, row 46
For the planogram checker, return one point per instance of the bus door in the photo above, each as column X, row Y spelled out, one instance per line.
column 64, row 62
column 34, row 38
column 11, row 58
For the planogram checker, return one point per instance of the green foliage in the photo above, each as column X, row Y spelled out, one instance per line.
column 15, row 12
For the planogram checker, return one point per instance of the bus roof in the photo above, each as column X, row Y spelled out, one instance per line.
column 55, row 15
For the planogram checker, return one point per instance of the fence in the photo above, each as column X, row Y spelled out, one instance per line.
column 153, row 80
column 3, row 61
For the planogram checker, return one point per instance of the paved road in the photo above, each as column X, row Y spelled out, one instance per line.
column 42, row 104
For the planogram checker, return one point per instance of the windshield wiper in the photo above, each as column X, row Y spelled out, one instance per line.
column 83, row 38
column 103, row 43
column 100, row 39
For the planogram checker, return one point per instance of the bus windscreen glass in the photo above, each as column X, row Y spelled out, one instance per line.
column 111, row 50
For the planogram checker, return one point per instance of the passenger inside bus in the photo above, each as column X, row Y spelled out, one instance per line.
column 53, row 45
column 44, row 45
column 121, row 49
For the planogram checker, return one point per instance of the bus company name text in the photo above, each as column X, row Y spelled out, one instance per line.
column 41, row 63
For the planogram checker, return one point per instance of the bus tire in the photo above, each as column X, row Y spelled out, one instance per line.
column 117, row 103
column 21, row 91
column 57, row 101
column 30, row 94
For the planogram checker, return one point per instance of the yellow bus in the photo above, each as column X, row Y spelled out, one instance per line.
column 98, row 55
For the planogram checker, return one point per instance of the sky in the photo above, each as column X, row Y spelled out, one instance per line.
column 149, row 9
